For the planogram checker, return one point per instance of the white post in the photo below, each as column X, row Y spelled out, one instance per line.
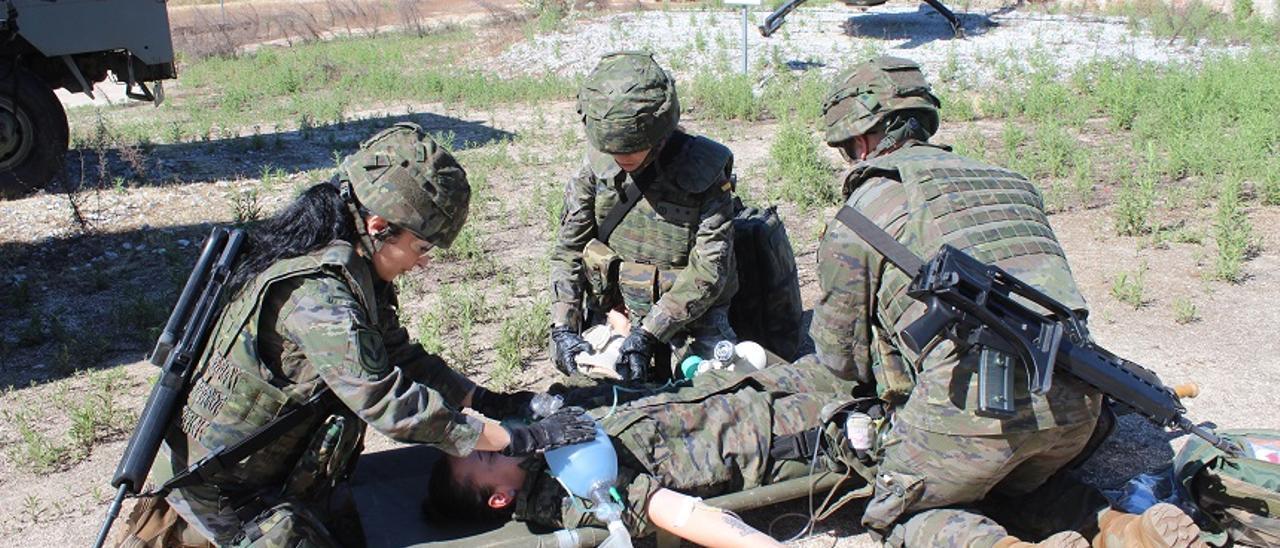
column 746, row 14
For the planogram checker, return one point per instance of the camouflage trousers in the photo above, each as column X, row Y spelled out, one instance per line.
column 287, row 526
column 936, row 489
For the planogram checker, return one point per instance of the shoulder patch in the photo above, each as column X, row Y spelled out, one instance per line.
column 369, row 350
column 702, row 165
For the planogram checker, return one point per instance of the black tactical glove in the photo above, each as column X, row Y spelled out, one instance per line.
column 565, row 346
column 564, row 427
column 501, row 405
column 636, row 354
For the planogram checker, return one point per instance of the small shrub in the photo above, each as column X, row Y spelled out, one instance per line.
column 139, row 318
column 1129, row 287
column 32, row 334
column 1133, row 204
column 725, row 96
column 36, row 451
column 246, row 206
column 788, row 95
column 522, row 334
column 1233, row 233
column 804, row 176
column 1184, row 311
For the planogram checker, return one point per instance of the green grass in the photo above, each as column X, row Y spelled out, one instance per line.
column 95, row 415
column 1194, row 20
column 790, row 94
column 322, row 82
column 1233, row 233
column 522, row 334
column 800, row 172
column 725, row 96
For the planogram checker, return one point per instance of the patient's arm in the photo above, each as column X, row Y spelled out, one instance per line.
column 702, row 524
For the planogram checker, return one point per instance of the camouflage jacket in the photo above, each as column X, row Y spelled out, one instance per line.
column 303, row 324
column 675, row 244
column 927, row 196
column 707, row 439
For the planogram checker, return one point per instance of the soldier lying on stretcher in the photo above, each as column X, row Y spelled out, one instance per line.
column 710, row 438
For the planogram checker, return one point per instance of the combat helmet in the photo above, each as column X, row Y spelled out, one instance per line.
column 862, row 97
column 628, row 103
column 405, row 177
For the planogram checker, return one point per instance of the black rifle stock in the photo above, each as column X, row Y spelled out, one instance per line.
column 177, row 351
column 973, row 303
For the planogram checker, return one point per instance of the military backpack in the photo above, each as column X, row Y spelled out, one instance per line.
column 1239, row 496
column 767, row 308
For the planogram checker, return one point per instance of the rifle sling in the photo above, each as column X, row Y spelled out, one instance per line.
column 226, row 456
column 631, row 195
column 880, row 240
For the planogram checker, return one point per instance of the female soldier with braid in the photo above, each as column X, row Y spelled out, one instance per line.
column 313, row 312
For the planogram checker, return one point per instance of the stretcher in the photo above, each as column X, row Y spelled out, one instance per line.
column 390, row 488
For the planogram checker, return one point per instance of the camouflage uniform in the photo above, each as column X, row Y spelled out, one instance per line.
column 677, row 272
column 940, row 452
column 704, row 440
column 322, row 320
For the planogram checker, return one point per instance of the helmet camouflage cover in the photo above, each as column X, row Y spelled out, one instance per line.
column 403, row 176
column 628, row 103
column 861, row 98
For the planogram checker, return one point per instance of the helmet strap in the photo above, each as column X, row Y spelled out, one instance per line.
column 369, row 243
column 652, row 156
column 900, row 131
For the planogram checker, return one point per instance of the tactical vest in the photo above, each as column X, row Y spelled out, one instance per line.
column 230, row 397
column 991, row 213
column 656, row 236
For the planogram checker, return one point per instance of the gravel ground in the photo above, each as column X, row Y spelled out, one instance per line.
column 828, row 38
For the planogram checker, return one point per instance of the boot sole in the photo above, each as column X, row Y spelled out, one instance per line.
column 1165, row 525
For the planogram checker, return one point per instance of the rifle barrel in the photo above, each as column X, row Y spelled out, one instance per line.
column 112, row 513
column 174, row 327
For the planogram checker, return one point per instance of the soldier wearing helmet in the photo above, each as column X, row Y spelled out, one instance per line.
column 939, row 454
column 665, row 255
column 311, row 322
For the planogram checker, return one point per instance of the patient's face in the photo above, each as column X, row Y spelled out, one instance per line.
column 489, row 469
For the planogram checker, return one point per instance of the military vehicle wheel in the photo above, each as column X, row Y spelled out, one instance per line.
column 33, row 133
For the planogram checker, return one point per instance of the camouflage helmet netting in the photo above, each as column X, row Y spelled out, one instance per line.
column 414, row 183
column 628, row 103
column 860, row 98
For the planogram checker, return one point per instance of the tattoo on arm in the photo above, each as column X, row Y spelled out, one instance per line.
column 736, row 523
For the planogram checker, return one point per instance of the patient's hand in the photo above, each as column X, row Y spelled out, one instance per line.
column 618, row 322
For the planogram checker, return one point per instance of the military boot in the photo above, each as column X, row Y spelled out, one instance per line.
column 1065, row 539
column 1161, row 526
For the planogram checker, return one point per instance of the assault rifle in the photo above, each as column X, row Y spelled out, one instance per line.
column 974, row 304
column 177, row 351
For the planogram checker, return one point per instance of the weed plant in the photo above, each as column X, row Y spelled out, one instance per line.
column 1195, row 20
column 725, row 96
column 521, row 335
column 802, row 175
column 1184, row 311
column 1233, row 233
column 322, row 82
column 1130, row 287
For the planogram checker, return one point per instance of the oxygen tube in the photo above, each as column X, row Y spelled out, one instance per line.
column 589, row 471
